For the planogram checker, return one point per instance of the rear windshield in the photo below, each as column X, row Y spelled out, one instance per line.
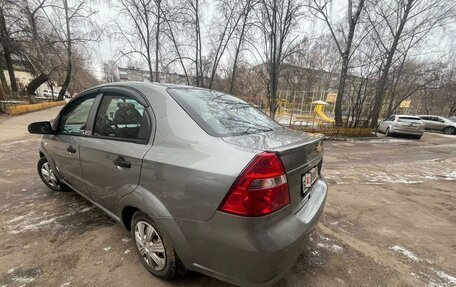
column 409, row 118
column 221, row 114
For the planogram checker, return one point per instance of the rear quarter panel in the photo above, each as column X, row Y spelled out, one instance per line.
column 187, row 170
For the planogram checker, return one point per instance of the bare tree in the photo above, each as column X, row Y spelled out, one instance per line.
column 110, row 71
column 343, row 43
column 173, row 19
column 246, row 23
column 194, row 23
column 138, row 41
column 72, row 24
column 396, row 21
column 277, row 21
column 39, row 46
column 230, row 17
column 7, row 43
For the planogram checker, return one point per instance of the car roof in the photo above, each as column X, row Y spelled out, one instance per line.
column 137, row 84
column 407, row 116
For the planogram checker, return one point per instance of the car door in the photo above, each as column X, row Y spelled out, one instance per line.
column 440, row 123
column 64, row 146
column 111, row 157
column 433, row 123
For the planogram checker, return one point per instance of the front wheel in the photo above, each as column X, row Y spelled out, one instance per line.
column 153, row 249
column 47, row 175
column 387, row 132
column 449, row 131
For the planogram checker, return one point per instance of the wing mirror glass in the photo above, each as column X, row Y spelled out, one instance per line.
column 43, row 128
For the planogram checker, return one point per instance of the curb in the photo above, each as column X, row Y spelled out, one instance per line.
column 15, row 110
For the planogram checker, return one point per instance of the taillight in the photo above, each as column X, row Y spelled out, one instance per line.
column 261, row 188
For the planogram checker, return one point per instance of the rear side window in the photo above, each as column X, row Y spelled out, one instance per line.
column 121, row 117
column 221, row 114
column 410, row 119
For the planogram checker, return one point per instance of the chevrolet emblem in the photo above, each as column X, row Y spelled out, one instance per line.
column 318, row 148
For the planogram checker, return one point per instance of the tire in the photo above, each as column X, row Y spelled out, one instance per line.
column 161, row 262
column 449, row 131
column 48, row 177
column 417, row 137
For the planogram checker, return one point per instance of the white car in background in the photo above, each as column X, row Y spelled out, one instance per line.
column 402, row 125
column 437, row 123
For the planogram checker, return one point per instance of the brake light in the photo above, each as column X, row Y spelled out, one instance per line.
column 261, row 188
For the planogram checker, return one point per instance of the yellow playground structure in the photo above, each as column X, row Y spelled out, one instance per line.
column 306, row 107
column 320, row 111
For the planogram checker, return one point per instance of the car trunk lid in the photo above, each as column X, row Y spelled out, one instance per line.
column 300, row 154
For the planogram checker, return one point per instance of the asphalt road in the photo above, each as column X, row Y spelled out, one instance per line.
column 390, row 221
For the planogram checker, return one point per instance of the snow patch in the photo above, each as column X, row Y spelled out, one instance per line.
column 405, row 252
column 450, row 279
column 330, row 247
column 16, row 219
column 86, row 209
column 22, row 279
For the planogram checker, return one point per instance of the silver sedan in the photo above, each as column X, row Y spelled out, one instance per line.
column 201, row 179
column 437, row 123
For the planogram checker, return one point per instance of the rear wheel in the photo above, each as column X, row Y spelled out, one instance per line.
column 154, row 250
column 47, row 175
column 449, row 130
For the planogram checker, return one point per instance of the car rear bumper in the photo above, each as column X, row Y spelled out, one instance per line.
column 406, row 131
column 252, row 251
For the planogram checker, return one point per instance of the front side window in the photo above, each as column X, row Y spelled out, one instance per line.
column 221, row 114
column 74, row 120
column 121, row 117
column 410, row 119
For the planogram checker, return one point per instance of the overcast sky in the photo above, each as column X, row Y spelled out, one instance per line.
column 438, row 44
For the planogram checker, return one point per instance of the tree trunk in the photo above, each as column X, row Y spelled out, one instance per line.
column 352, row 22
column 238, row 49
column 6, row 44
column 176, row 46
column 197, row 45
column 381, row 85
column 341, row 92
column 149, row 65
column 5, row 89
column 35, row 83
column 157, row 41
column 66, row 83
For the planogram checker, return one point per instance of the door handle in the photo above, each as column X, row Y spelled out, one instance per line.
column 71, row 149
column 121, row 162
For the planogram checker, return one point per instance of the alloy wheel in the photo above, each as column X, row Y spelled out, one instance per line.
column 49, row 175
column 150, row 245
column 449, row 131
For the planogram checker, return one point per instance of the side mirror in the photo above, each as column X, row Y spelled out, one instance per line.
column 43, row 128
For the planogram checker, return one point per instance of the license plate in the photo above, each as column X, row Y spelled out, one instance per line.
column 309, row 177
